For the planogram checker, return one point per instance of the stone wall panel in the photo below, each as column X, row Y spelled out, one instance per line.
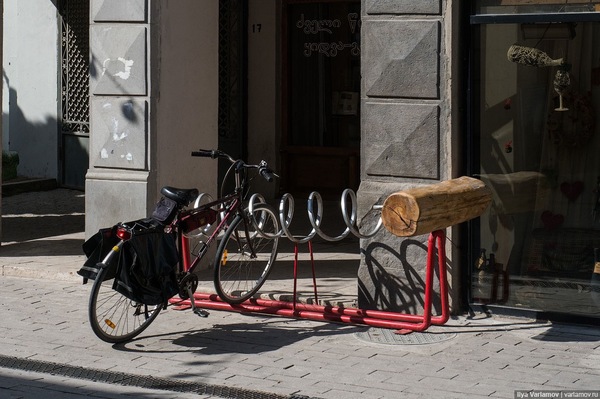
column 118, row 10
column 402, row 6
column 119, row 139
column 401, row 58
column 118, row 60
column 403, row 140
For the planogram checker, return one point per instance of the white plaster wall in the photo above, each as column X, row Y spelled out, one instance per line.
column 187, row 106
column 30, row 78
column 187, row 94
column 263, row 107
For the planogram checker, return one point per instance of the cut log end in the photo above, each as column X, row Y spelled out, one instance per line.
column 433, row 207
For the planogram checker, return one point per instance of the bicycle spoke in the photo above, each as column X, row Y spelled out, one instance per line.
column 114, row 317
column 245, row 258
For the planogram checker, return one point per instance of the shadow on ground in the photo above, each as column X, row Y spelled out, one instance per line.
column 43, row 223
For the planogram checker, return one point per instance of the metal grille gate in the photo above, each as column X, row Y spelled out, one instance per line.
column 74, row 124
column 232, row 79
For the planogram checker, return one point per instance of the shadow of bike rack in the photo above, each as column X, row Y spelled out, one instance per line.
column 402, row 322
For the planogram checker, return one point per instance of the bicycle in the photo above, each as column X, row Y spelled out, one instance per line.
column 247, row 238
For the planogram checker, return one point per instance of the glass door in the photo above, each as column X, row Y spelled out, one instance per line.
column 536, row 144
column 321, row 90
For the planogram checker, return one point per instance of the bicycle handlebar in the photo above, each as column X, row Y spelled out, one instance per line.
column 205, row 153
column 265, row 172
column 263, row 168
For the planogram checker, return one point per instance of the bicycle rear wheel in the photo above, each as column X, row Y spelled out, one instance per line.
column 115, row 318
column 238, row 274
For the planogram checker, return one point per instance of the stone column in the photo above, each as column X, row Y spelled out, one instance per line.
column 153, row 99
column 119, row 177
column 406, row 131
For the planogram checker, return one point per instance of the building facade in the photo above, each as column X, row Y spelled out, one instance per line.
column 381, row 95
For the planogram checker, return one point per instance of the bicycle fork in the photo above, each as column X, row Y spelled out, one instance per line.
column 248, row 241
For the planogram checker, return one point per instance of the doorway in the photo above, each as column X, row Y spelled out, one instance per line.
column 74, row 124
column 233, row 85
column 321, row 96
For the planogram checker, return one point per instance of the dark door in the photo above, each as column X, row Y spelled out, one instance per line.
column 321, row 90
column 233, row 93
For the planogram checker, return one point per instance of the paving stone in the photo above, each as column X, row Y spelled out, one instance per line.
column 45, row 319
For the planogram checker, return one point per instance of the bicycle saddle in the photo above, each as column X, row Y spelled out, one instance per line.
column 183, row 196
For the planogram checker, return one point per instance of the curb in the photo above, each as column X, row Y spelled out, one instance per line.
column 24, row 186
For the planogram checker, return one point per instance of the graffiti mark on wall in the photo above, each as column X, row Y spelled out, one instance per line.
column 117, row 138
column 120, row 67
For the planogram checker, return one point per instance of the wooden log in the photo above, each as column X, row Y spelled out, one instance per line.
column 433, row 207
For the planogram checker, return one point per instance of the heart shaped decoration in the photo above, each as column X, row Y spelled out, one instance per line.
column 552, row 221
column 571, row 190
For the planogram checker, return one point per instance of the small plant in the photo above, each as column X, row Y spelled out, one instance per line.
column 10, row 160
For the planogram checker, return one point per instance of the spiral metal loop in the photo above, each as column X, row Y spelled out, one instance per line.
column 315, row 217
column 257, row 203
column 201, row 199
column 258, row 209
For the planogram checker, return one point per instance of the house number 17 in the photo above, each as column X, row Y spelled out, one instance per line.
column 256, row 28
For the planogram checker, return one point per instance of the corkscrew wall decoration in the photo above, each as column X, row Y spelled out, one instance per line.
column 530, row 56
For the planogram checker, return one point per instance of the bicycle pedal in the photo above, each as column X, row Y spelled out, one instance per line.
column 201, row 312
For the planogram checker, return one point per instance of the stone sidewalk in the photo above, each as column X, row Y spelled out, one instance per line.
column 44, row 323
column 45, row 337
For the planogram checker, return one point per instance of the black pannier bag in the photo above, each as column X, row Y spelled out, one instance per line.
column 96, row 248
column 146, row 264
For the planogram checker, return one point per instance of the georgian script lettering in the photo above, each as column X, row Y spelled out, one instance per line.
column 314, row 26
column 330, row 49
column 353, row 22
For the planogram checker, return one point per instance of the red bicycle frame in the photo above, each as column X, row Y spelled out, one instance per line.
column 195, row 215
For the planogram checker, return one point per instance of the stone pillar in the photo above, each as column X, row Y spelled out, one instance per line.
column 153, row 98
column 406, row 106
column 119, row 178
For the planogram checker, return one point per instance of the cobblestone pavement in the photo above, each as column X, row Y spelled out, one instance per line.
column 47, row 347
column 46, row 321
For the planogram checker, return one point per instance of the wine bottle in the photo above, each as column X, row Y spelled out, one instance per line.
column 531, row 56
column 481, row 270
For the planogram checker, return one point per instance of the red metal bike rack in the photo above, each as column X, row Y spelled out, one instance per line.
column 402, row 322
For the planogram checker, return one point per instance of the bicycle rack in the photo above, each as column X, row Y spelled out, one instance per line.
column 402, row 322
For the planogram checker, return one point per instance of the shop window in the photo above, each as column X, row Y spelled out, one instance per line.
column 536, row 144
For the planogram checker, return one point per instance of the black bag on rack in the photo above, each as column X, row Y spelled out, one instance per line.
column 165, row 210
column 146, row 265
column 96, row 248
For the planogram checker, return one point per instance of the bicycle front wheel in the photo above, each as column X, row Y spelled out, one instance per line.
column 246, row 255
column 115, row 318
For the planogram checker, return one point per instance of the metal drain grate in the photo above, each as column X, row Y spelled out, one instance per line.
column 389, row 337
column 126, row 379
